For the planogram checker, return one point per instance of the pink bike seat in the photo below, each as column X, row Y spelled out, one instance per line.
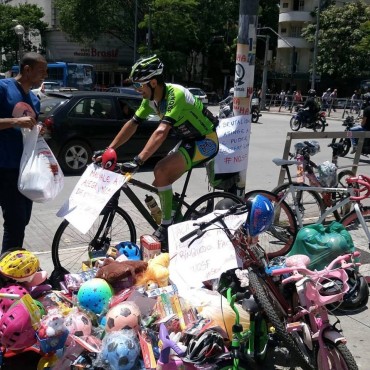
column 298, row 260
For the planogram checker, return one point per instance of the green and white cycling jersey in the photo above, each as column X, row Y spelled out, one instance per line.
column 180, row 109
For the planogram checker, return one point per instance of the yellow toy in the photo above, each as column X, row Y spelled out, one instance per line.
column 156, row 273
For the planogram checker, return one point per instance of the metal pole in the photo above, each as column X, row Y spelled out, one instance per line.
column 244, row 72
column 150, row 31
column 315, row 47
column 264, row 75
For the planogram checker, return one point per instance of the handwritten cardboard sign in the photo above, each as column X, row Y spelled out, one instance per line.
column 202, row 259
column 233, row 134
column 92, row 192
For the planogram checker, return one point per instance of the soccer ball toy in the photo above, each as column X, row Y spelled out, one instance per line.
column 94, row 295
column 78, row 324
column 120, row 350
column 123, row 316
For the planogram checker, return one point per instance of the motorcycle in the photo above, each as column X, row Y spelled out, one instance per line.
column 226, row 109
column 349, row 122
column 255, row 110
column 299, row 120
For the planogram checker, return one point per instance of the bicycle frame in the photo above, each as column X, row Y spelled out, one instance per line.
column 293, row 189
column 142, row 208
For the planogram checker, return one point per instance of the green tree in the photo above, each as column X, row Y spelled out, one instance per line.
column 86, row 20
column 342, row 51
column 29, row 16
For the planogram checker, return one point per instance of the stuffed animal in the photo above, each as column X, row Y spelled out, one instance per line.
column 113, row 271
column 157, row 272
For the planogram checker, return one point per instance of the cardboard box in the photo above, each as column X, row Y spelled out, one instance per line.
column 150, row 247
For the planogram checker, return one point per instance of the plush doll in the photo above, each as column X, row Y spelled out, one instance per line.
column 157, row 272
column 113, row 271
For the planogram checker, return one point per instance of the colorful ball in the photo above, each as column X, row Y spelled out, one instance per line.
column 78, row 323
column 94, row 295
column 123, row 316
column 120, row 350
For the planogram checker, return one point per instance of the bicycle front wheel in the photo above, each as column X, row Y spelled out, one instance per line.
column 295, row 124
column 309, row 203
column 335, row 356
column 210, row 202
column 279, row 238
column 70, row 247
column 277, row 319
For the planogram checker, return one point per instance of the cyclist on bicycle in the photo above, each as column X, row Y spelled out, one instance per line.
column 310, row 107
column 179, row 110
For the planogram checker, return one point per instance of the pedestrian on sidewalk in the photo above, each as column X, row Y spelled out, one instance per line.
column 333, row 99
column 19, row 108
column 364, row 126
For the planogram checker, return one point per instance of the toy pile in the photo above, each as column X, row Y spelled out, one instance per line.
column 118, row 313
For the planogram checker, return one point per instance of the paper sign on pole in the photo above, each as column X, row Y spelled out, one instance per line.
column 202, row 259
column 92, row 192
column 233, row 134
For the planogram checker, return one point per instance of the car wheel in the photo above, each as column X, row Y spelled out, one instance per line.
column 74, row 157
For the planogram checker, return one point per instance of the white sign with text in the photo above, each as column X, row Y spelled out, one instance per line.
column 205, row 258
column 233, row 134
column 92, row 192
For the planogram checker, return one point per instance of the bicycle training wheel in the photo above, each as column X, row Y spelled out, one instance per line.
column 70, row 247
column 277, row 318
column 339, row 196
column 279, row 238
column 337, row 355
column 309, row 203
column 354, row 227
column 295, row 124
column 208, row 203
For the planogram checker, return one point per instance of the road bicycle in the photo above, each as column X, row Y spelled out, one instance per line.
column 70, row 247
column 273, row 302
column 323, row 343
column 311, row 203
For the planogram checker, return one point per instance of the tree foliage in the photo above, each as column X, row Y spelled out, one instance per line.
column 29, row 16
column 343, row 44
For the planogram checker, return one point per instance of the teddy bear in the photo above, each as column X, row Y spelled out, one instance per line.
column 157, row 272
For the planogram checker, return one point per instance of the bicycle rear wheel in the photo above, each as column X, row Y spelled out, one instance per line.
column 210, row 202
column 337, row 355
column 360, row 240
column 279, row 238
column 70, row 247
column 310, row 204
column 337, row 197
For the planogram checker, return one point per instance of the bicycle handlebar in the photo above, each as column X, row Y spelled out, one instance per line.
column 361, row 180
column 234, row 210
column 301, row 271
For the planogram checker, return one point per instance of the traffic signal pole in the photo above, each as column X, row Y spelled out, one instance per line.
column 244, row 72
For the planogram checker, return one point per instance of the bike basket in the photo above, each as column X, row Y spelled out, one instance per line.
column 313, row 147
column 327, row 174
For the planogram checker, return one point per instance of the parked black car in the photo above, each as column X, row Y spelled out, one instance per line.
column 83, row 122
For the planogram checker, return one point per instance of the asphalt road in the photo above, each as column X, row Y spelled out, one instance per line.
column 267, row 141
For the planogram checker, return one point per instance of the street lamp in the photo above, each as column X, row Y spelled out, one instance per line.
column 19, row 31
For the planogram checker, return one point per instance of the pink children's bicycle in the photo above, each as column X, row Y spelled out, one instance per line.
column 322, row 342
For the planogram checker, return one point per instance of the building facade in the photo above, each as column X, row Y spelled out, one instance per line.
column 111, row 59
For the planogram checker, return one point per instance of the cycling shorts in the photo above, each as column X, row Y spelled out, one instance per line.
column 199, row 151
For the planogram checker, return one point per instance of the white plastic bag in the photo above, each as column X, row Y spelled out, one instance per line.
column 40, row 176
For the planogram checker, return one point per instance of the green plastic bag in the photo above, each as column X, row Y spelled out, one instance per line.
column 322, row 244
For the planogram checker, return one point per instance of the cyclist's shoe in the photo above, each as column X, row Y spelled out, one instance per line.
column 162, row 235
column 354, row 150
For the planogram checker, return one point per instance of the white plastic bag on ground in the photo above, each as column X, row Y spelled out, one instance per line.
column 40, row 176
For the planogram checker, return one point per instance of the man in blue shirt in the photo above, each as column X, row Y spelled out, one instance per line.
column 19, row 108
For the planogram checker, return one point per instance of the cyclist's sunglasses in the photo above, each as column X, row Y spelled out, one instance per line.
column 139, row 85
